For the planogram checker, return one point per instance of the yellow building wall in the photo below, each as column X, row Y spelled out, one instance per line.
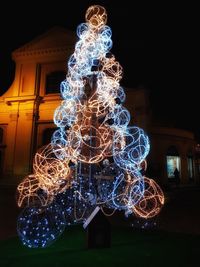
column 25, row 109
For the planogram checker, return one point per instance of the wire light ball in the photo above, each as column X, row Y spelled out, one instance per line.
column 94, row 145
column 65, row 115
column 40, row 227
column 53, row 174
column 130, row 146
column 30, row 192
column 151, row 202
column 78, row 202
column 96, row 16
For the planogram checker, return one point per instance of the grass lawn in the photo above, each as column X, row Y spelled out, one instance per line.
column 129, row 247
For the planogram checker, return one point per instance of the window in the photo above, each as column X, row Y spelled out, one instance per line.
column 1, row 135
column 190, row 167
column 1, row 161
column 2, row 147
column 53, row 81
column 46, row 136
column 173, row 161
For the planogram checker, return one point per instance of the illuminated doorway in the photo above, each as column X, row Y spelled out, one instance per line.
column 173, row 162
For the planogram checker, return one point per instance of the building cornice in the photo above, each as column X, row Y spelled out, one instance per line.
column 41, row 52
column 171, row 132
column 9, row 100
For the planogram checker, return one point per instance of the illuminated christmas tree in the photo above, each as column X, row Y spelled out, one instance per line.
column 95, row 159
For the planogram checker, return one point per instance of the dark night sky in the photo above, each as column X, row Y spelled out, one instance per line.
column 155, row 44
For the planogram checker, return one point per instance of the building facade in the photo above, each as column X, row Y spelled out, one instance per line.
column 27, row 108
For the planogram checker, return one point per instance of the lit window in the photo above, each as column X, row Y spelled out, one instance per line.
column 173, row 161
column 190, row 167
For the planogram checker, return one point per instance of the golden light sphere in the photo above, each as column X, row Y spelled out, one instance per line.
column 96, row 16
column 152, row 200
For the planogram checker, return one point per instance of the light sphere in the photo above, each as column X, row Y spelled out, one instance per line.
column 96, row 16
column 151, row 202
column 51, row 172
column 40, row 227
column 30, row 193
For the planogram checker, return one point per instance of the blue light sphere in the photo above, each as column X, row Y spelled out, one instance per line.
column 78, row 202
column 40, row 227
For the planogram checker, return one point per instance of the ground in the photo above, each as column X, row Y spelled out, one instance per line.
column 174, row 241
